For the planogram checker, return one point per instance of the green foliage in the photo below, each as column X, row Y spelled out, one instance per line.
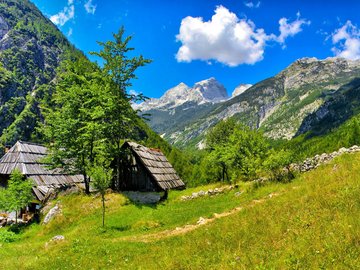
column 181, row 163
column 246, row 151
column 7, row 236
column 277, row 163
column 234, row 151
column 303, row 146
column 119, row 117
column 72, row 123
column 18, row 193
column 220, row 133
column 90, row 113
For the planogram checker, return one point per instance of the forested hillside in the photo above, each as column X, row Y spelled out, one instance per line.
column 31, row 49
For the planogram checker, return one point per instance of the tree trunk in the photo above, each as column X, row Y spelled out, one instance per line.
column 118, row 165
column 16, row 214
column 103, row 208
column 87, row 184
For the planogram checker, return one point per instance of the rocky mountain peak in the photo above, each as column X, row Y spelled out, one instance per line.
column 306, row 71
column 211, row 90
column 205, row 91
column 240, row 89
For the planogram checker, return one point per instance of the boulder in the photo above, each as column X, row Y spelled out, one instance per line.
column 51, row 214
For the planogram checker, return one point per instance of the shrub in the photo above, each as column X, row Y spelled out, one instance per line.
column 7, row 236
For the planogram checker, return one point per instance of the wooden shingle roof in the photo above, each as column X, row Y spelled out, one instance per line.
column 157, row 166
column 26, row 157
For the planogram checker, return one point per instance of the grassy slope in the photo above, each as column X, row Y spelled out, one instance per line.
column 312, row 223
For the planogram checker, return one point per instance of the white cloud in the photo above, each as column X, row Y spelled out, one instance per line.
column 290, row 29
column 90, row 7
column 251, row 4
column 227, row 39
column 346, row 41
column 65, row 15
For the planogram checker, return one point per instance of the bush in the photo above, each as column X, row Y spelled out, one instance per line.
column 7, row 236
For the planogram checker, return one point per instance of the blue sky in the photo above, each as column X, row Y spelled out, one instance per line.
column 234, row 41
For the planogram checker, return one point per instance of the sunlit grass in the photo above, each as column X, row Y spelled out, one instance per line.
column 313, row 223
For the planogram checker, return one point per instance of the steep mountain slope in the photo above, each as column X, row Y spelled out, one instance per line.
column 277, row 105
column 31, row 48
column 337, row 108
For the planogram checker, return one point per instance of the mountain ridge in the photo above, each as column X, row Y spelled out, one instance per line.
column 276, row 105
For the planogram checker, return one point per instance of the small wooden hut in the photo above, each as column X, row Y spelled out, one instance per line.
column 146, row 169
column 27, row 158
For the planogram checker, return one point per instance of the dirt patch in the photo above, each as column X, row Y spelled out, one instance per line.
column 190, row 227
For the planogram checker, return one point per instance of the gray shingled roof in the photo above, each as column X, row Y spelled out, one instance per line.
column 26, row 157
column 158, row 166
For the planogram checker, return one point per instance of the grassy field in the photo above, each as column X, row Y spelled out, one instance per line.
column 310, row 223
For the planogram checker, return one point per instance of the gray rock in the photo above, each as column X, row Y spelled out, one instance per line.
column 52, row 213
column 58, row 238
column 201, row 221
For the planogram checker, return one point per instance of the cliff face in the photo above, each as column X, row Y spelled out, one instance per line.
column 31, row 48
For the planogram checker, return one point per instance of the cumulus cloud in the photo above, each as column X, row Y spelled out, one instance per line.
column 65, row 15
column 290, row 29
column 251, row 4
column 347, row 41
column 227, row 39
column 90, row 7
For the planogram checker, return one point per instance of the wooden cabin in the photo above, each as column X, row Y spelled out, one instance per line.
column 27, row 158
column 146, row 169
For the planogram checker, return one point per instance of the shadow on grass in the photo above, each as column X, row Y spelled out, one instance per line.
column 119, row 228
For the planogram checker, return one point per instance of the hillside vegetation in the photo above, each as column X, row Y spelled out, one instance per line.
column 310, row 223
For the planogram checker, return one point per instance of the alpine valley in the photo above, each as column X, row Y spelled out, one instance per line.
column 300, row 99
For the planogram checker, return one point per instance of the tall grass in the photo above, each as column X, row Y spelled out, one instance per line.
column 312, row 224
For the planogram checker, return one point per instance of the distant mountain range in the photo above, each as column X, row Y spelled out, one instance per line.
column 281, row 106
column 206, row 91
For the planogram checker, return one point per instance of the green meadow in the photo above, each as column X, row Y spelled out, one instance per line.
column 311, row 223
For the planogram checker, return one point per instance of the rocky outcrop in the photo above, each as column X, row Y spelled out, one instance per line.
column 314, row 162
column 52, row 213
column 208, row 193
column 4, row 28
